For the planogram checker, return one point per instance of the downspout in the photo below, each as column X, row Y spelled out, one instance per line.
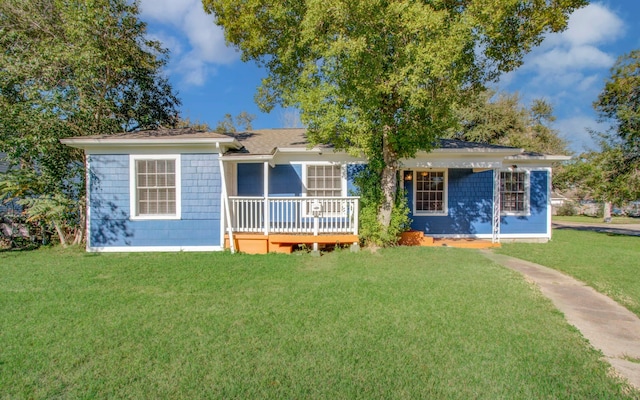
column 225, row 201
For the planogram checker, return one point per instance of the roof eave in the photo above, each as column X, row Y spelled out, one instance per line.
column 84, row 143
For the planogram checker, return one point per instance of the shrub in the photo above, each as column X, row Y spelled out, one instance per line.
column 567, row 209
column 366, row 181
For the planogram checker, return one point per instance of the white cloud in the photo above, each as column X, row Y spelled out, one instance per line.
column 576, row 130
column 197, row 44
column 575, row 57
column 593, row 24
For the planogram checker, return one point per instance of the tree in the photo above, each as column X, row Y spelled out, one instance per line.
column 73, row 68
column 612, row 174
column 380, row 78
column 619, row 102
column 229, row 124
column 501, row 119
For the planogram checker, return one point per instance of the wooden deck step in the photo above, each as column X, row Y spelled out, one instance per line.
column 417, row 238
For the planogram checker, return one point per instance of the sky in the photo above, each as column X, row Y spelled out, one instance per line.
column 568, row 69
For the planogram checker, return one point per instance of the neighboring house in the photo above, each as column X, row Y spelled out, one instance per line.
column 180, row 189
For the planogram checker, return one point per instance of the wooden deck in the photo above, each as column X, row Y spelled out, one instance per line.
column 256, row 243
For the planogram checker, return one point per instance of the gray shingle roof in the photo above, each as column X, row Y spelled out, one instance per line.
column 168, row 133
column 265, row 141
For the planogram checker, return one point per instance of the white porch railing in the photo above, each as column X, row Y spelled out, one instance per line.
column 304, row 215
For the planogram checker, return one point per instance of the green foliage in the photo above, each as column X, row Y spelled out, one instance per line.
column 501, row 119
column 567, row 209
column 196, row 125
column 366, row 180
column 380, row 78
column 241, row 122
column 612, row 174
column 619, row 101
column 74, row 68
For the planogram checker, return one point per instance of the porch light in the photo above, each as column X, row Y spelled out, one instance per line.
column 408, row 175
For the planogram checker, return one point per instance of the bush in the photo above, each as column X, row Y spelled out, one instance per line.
column 567, row 209
column 367, row 183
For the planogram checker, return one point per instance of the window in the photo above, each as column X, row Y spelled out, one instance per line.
column 514, row 192
column 430, row 192
column 155, row 187
column 324, row 181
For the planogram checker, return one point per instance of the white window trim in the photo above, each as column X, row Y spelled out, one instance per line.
column 133, row 192
column 445, row 194
column 527, row 194
column 343, row 176
column 343, row 189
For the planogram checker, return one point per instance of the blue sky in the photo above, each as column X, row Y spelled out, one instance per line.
column 568, row 69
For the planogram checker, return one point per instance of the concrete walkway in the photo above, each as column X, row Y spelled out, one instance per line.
column 616, row 229
column 608, row 326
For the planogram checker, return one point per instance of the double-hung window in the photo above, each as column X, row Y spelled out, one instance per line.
column 514, row 192
column 324, row 180
column 155, row 187
column 430, row 192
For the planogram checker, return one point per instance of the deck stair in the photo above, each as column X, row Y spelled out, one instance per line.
column 417, row 238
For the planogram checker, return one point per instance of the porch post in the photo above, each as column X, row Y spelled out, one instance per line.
column 265, row 184
column 225, row 202
column 495, row 226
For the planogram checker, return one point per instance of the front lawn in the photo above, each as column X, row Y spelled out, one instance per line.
column 608, row 263
column 400, row 323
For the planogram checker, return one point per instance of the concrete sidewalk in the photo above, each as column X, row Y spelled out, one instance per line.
column 615, row 229
column 608, row 326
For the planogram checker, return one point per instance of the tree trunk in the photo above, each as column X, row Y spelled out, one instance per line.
column 388, row 180
column 606, row 215
column 63, row 240
column 79, row 236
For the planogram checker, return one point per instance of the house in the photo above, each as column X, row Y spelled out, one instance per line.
column 267, row 190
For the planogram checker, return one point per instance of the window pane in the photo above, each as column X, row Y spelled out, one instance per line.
column 156, row 187
column 513, row 192
column 324, row 180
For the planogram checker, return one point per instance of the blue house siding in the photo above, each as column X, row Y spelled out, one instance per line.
column 110, row 221
column 250, row 179
column 284, row 180
column 469, row 208
column 536, row 221
column 469, row 205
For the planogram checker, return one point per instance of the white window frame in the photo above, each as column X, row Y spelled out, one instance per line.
column 343, row 187
column 133, row 192
column 527, row 193
column 445, row 192
column 343, row 176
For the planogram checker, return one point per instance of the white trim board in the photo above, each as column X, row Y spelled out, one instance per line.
column 150, row 249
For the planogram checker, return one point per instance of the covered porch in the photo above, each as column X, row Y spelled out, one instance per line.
column 259, row 225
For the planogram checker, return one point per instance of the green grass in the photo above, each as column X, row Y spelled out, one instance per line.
column 608, row 263
column 596, row 220
column 400, row 323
